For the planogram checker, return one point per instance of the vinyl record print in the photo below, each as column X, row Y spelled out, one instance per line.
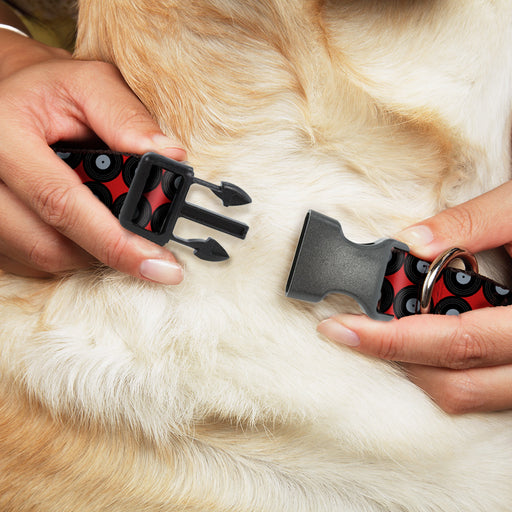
column 103, row 167
column 461, row 283
column 451, row 306
column 406, row 302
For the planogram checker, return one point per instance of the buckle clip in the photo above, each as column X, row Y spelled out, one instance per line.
column 326, row 262
column 162, row 184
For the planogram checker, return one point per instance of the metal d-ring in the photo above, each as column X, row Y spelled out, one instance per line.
column 437, row 266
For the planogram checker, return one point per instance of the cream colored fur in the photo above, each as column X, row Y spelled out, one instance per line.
column 217, row 394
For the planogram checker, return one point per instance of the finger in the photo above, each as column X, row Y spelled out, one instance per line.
column 474, row 339
column 17, row 268
column 55, row 193
column 480, row 224
column 30, row 243
column 463, row 391
column 116, row 115
column 69, row 99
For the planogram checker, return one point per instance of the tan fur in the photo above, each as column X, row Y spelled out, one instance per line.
column 218, row 395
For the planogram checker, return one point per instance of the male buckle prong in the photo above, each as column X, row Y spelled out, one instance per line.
column 183, row 177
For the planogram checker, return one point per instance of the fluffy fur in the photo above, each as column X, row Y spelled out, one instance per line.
column 217, row 394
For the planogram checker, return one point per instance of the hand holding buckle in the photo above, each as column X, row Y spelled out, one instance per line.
column 384, row 277
column 148, row 195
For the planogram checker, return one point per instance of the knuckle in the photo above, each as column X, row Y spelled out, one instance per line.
column 99, row 69
column 465, row 348
column 460, row 220
column 133, row 116
column 116, row 249
column 52, row 202
column 45, row 258
column 388, row 347
column 130, row 120
column 460, row 394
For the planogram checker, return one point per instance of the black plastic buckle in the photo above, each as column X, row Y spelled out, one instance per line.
column 326, row 262
column 176, row 178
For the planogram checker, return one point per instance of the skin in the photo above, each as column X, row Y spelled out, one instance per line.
column 463, row 362
column 58, row 224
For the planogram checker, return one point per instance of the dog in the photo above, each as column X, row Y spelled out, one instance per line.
column 218, row 394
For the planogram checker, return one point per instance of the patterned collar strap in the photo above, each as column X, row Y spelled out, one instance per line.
column 386, row 280
column 455, row 291
column 148, row 195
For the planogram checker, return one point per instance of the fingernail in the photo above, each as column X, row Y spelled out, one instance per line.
column 338, row 333
column 169, row 146
column 161, row 271
column 416, row 237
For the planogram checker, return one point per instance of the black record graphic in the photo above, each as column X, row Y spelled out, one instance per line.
column 387, row 294
column 129, row 169
column 142, row 214
column 415, row 269
column 451, row 306
column 461, row 283
column 170, row 184
column 103, row 166
column 158, row 219
column 101, row 192
column 72, row 158
column 395, row 263
column 497, row 295
column 406, row 302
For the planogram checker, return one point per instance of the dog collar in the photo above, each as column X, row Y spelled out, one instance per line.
column 147, row 193
column 384, row 277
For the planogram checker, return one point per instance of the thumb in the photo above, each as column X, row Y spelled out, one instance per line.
column 476, row 225
column 120, row 119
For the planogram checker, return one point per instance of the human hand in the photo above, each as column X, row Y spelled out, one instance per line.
column 50, row 222
column 463, row 362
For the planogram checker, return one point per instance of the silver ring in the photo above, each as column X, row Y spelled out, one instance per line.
column 437, row 266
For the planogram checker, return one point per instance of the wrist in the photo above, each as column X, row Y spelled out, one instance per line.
column 12, row 28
